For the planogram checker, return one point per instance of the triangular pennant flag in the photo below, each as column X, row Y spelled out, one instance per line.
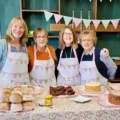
column 21, row 61
column 86, row 23
column 57, row 17
column 45, row 81
column 14, row 74
column 96, row 23
column 100, row 0
column 67, row 19
column 115, row 23
column 85, row 69
column 69, row 66
column 76, row 21
column 47, row 68
column 36, row 67
column 105, row 23
column 48, row 15
column 10, row 60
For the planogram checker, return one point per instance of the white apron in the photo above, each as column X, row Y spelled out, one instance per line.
column 43, row 72
column 15, row 70
column 89, row 72
column 68, row 71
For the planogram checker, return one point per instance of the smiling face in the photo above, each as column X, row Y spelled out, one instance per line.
column 88, row 40
column 87, row 43
column 41, row 39
column 17, row 29
column 68, row 37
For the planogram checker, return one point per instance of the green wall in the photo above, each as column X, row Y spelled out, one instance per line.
column 106, row 10
column 8, row 10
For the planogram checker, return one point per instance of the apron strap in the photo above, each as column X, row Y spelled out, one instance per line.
column 9, row 46
column 35, row 51
column 73, row 51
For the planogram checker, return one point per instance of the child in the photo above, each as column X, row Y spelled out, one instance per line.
column 41, row 60
column 94, row 65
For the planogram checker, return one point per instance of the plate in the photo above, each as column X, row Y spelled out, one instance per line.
column 81, row 99
column 38, row 90
column 115, row 58
column 65, row 96
column 83, row 92
column 103, row 101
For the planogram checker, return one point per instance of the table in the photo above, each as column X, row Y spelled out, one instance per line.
column 65, row 109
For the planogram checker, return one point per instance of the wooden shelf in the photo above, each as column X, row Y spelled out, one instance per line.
column 52, row 11
column 48, row 36
column 117, row 62
column 110, row 28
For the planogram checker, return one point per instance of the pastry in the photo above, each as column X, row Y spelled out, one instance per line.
column 16, row 107
column 15, row 98
column 28, row 105
column 4, row 106
column 27, row 97
column 5, row 97
column 28, row 89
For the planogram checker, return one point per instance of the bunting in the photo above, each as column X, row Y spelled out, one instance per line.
column 115, row 23
column 105, row 23
column 96, row 23
column 86, row 23
column 48, row 15
column 57, row 17
column 67, row 19
column 77, row 21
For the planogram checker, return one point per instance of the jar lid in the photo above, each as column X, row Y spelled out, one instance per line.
column 48, row 96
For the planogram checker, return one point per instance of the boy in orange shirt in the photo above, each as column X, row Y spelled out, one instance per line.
column 41, row 60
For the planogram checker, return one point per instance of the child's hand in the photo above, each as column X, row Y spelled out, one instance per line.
column 106, row 51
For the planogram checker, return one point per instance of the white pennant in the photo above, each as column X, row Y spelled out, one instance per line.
column 100, row 0
column 48, row 15
column 110, row 0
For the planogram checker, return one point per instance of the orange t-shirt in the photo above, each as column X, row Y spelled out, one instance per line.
column 39, row 55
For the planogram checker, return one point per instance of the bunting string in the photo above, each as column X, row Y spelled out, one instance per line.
column 77, row 21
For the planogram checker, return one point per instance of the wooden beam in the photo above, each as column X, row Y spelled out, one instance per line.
column 94, row 9
column 101, row 28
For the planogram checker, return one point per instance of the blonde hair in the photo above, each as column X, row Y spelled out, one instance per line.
column 10, row 38
column 37, row 30
column 91, row 33
column 75, row 40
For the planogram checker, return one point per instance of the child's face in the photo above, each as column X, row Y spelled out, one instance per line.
column 17, row 29
column 41, row 39
column 67, row 37
column 87, row 42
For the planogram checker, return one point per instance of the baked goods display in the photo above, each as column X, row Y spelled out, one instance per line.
column 61, row 90
column 92, row 87
column 114, row 97
column 16, row 99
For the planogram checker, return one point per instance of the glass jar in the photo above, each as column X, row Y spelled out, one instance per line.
column 48, row 100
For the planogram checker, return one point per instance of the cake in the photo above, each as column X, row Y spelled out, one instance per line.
column 114, row 97
column 93, row 87
column 61, row 90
